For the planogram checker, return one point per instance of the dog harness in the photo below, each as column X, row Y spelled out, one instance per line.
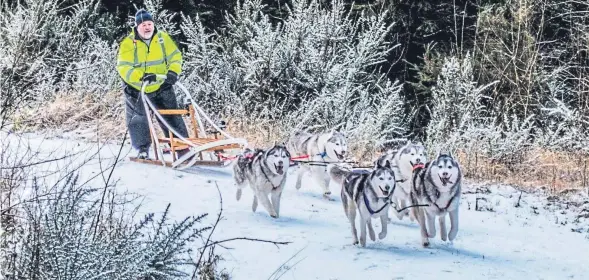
column 367, row 202
column 417, row 172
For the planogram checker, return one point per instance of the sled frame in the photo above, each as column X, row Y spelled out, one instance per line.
column 197, row 141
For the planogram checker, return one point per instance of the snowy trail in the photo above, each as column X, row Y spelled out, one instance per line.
column 506, row 243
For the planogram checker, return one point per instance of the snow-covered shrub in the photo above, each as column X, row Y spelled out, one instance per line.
column 49, row 47
column 70, row 232
column 456, row 107
column 563, row 126
column 315, row 67
column 461, row 122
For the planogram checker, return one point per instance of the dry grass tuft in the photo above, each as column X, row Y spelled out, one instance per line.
column 537, row 168
column 79, row 117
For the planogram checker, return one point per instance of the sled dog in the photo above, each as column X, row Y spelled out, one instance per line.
column 265, row 172
column 438, row 184
column 328, row 147
column 389, row 155
column 369, row 192
column 407, row 157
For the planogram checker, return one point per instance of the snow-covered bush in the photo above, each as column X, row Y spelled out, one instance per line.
column 316, row 67
column 563, row 126
column 462, row 123
column 50, row 47
column 456, row 106
column 69, row 232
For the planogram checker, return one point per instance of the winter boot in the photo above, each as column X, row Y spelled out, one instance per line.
column 143, row 153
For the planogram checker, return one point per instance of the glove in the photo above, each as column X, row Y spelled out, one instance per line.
column 148, row 77
column 171, row 78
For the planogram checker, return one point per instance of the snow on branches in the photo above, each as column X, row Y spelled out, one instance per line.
column 314, row 67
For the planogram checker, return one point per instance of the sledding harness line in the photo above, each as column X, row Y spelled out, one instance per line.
column 316, row 162
column 293, row 160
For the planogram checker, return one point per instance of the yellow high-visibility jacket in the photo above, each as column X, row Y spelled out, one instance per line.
column 136, row 58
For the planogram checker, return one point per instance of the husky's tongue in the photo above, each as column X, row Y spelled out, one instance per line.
column 384, row 192
column 279, row 169
column 445, row 180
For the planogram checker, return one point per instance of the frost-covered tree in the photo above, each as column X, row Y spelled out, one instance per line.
column 462, row 123
column 457, row 105
column 563, row 124
column 315, row 67
column 50, row 47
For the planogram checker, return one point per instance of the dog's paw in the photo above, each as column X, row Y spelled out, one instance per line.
column 326, row 196
column 382, row 235
column 425, row 244
column 372, row 236
column 443, row 236
column 452, row 234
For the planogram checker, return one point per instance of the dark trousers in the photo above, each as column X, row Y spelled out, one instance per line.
column 164, row 98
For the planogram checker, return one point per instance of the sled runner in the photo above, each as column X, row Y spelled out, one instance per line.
column 198, row 141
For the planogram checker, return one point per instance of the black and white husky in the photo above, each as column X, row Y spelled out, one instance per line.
column 265, row 172
column 329, row 147
column 368, row 192
column 406, row 159
column 437, row 184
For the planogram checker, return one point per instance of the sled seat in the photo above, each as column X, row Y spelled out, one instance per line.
column 179, row 144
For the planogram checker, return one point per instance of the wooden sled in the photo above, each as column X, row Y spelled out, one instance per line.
column 198, row 142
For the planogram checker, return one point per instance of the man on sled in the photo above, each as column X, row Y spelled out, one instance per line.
column 143, row 54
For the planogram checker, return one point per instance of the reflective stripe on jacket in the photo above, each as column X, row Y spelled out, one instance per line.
column 136, row 58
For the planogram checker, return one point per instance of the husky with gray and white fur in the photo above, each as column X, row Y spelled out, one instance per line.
column 265, row 172
column 329, row 147
column 389, row 156
column 405, row 160
column 438, row 183
column 367, row 192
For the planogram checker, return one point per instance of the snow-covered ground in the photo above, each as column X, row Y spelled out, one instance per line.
column 502, row 235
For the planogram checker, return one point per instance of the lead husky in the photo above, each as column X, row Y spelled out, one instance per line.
column 406, row 159
column 368, row 192
column 265, row 172
column 327, row 147
column 438, row 184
